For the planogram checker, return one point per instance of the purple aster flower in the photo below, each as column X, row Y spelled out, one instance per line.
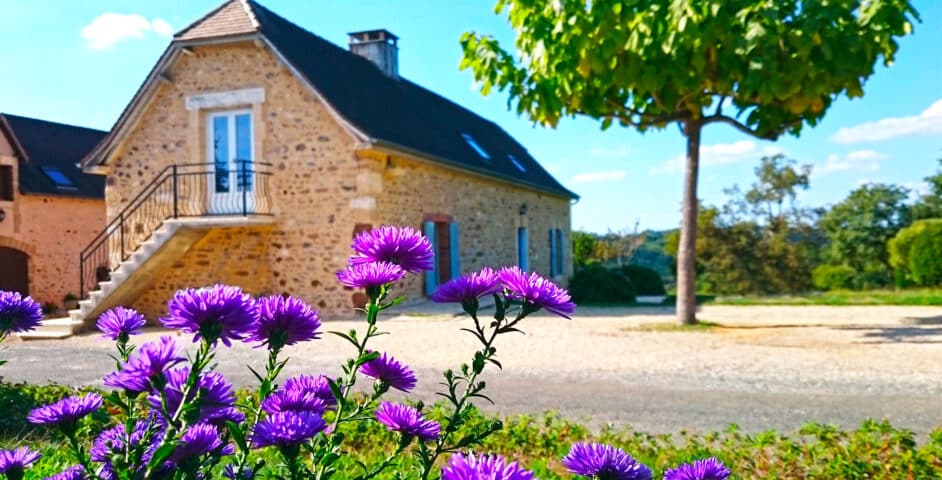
column 403, row 246
column 65, row 412
column 198, row 440
column 75, row 472
column 483, row 467
column 18, row 313
column 311, row 384
column 110, row 444
column 407, row 420
column 604, row 462
column 704, row 469
column 13, row 462
column 536, row 292
column 213, row 313
column 370, row 275
column 388, row 370
column 467, row 289
column 215, row 396
column 147, row 366
column 293, row 400
column 284, row 321
column 119, row 323
column 284, row 429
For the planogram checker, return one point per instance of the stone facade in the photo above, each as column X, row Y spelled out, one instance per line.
column 323, row 187
column 51, row 230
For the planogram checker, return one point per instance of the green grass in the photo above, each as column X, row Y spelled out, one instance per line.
column 700, row 326
column 841, row 297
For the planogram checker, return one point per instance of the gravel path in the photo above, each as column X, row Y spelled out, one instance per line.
column 763, row 367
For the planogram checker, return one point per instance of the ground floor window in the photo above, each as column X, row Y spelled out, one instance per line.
column 444, row 237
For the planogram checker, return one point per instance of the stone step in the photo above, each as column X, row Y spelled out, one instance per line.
column 53, row 328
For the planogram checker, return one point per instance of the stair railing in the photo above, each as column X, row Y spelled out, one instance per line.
column 177, row 191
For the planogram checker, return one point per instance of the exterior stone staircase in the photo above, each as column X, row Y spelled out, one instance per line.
column 133, row 276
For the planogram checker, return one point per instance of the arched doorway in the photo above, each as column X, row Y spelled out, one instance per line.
column 14, row 270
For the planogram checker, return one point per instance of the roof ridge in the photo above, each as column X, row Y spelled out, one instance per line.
column 244, row 4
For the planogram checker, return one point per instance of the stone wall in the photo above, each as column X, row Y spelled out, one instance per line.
column 487, row 212
column 56, row 228
column 322, row 189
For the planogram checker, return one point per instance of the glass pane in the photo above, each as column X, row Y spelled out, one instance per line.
column 244, row 150
column 221, row 153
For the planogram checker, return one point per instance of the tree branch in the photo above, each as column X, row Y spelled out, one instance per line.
column 739, row 126
column 719, row 106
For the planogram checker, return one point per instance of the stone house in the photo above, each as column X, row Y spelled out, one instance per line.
column 255, row 150
column 49, row 208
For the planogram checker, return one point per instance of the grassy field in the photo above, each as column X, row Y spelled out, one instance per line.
column 841, row 297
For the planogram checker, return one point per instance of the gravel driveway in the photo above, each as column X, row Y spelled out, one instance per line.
column 763, row 367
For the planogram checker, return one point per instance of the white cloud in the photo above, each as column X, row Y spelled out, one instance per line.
column 718, row 154
column 108, row 29
column 929, row 122
column 593, row 177
column 856, row 161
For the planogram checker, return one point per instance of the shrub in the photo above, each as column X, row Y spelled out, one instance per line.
column 833, row 277
column 595, row 283
column 917, row 240
column 646, row 281
column 925, row 257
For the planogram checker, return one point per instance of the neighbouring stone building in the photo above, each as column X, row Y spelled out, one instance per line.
column 49, row 209
column 255, row 150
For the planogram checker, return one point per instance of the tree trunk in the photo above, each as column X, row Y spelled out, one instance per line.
column 686, row 253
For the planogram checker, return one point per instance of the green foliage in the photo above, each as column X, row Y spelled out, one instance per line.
column 583, row 247
column 901, row 249
column 924, row 296
column 646, row 64
column 859, row 227
column 833, row 277
column 17, row 399
column 925, row 256
column 930, row 204
column 874, row 450
column 646, row 281
column 596, row 283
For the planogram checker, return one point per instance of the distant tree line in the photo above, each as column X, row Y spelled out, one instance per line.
column 763, row 241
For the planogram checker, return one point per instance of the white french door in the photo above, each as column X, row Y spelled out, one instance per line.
column 231, row 184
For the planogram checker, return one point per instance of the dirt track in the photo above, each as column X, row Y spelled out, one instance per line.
column 764, row 367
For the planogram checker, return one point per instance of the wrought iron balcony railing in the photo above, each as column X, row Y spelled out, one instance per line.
column 178, row 191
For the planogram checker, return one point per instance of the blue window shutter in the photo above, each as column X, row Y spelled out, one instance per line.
column 561, row 248
column 453, row 253
column 522, row 244
column 552, row 253
column 431, row 277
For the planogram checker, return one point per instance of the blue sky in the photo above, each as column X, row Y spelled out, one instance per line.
column 80, row 63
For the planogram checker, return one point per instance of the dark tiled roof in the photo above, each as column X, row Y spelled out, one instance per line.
column 399, row 112
column 53, row 146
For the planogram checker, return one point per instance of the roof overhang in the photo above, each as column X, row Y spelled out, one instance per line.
column 7, row 130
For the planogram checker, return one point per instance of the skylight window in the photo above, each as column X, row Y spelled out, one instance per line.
column 516, row 163
column 58, row 178
column 474, row 145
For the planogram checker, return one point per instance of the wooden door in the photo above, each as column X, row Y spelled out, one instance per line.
column 14, row 270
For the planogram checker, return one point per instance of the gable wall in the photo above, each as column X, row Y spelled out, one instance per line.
column 312, row 184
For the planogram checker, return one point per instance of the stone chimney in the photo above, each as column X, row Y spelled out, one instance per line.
column 379, row 47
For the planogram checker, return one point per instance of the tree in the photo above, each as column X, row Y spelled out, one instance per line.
column 930, row 204
column 761, row 241
column 859, row 227
column 646, row 64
